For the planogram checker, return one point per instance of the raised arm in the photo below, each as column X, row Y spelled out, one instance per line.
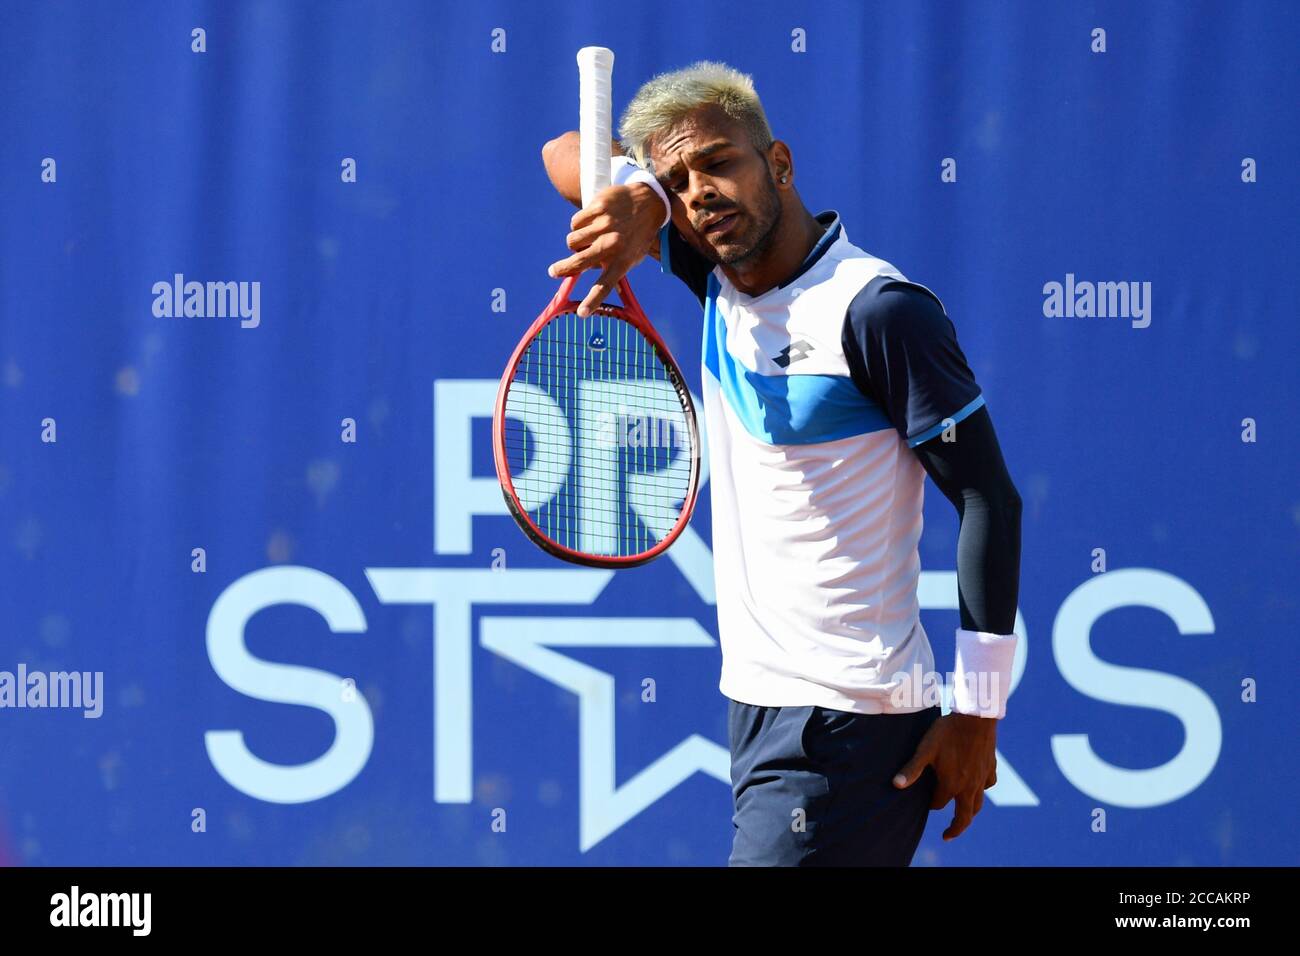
column 619, row 216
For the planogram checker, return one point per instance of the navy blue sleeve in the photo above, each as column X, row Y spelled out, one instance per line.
column 902, row 353
column 679, row 258
column 970, row 472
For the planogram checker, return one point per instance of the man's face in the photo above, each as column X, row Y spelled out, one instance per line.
column 709, row 165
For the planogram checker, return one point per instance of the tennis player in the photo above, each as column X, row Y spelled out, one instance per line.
column 832, row 385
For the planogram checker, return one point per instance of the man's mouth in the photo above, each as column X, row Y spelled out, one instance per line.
column 720, row 225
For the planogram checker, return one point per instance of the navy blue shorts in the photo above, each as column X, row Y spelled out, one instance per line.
column 813, row 786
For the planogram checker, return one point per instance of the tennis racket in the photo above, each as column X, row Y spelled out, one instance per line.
column 594, row 431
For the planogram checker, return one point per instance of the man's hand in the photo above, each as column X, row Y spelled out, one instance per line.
column 963, row 752
column 615, row 231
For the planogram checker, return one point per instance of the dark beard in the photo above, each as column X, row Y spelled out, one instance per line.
column 766, row 220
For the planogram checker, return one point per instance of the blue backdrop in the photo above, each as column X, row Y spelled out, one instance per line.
column 446, row 693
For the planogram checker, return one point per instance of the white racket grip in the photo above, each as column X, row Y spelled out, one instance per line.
column 595, row 118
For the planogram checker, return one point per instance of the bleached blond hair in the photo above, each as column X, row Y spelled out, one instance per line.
column 662, row 101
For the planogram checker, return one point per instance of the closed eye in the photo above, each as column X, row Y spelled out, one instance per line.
column 677, row 184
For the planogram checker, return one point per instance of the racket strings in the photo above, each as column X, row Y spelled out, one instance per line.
column 596, row 438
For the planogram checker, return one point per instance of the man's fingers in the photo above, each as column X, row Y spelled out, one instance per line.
column 912, row 769
column 941, row 797
column 593, row 300
column 965, row 813
column 563, row 267
column 598, row 232
column 599, row 250
column 586, row 214
column 580, row 239
column 577, row 263
column 598, row 292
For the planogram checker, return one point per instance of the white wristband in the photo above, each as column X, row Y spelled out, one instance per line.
column 623, row 170
column 983, row 673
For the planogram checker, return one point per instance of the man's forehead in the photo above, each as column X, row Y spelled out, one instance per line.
column 697, row 134
column 691, row 152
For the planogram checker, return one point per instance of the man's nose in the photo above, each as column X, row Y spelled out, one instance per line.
column 701, row 199
column 702, row 190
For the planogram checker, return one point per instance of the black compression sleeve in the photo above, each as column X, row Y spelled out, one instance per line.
column 972, row 475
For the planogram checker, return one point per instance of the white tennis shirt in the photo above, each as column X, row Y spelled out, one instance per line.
column 816, row 496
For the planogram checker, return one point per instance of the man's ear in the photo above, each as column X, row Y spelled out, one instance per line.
column 779, row 161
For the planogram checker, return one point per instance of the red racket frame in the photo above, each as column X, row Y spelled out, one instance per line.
column 631, row 312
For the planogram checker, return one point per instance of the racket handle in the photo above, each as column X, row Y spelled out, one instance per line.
column 595, row 118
